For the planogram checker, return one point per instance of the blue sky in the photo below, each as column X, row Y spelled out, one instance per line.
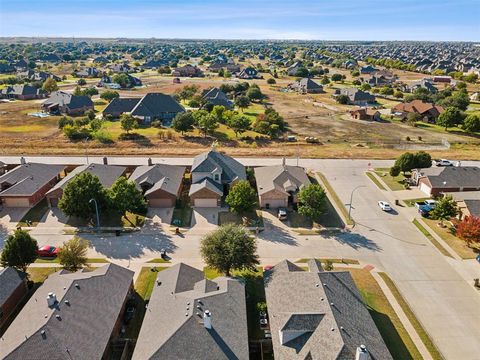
column 247, row 19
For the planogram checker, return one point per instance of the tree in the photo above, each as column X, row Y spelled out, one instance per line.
column 242, row 197
column 242, row 102
column 121, row 79
column 218, row 111
column 398, row 94
column 77, row 194
column 50, row 85
column 239, row 124
column 405, row 162
column 77, row 91
column 207, row 123
column 469, row 230
column 445, row 208
column 96, row 124
column 19, row 251
column 125, row 196
column 472, row 123
column 342, row 99
column 254, row 93
column 128, row 122
column 459, row 100
column 109, row 95
column 312, row 201
column 73, row 254
column 413, row 118
column 325, row 80
column 394, row 171
column 183, row 122
column 450, row 117
column 228, row 248
column 422, row 160
column 82, row 82
column 271, row 81
column 337, row 77
column 301, row 72
column 187, row 92
column 90, row 114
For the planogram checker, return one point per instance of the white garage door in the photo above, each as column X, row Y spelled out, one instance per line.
column 206, row 203
column 160, row 203
column 425, row 188
column 16, row 202
column 274, row 203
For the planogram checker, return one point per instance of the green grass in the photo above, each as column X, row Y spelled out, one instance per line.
column 57, row 261
column 158, row 261
column 40, row 274
column 431, row 238
column 411, row 202
column 111, row 219
column 375, row 180
column 332, row 260
column 335, row 198
column 252, row 219
column 456, row 244
column 394, row 183
column 35, row 214
column 184, row 215
column 432, row 349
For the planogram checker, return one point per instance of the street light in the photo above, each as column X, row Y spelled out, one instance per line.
column 96, row 211
column 351, row 199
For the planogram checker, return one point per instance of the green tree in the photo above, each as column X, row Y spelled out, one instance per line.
column 183, row 122
column 50, row 85
column 405, row 162
column 19, row 251
column 398, row 94
column 77, row 91
column 207, row 123
column 96, row 124
column 312, row 201
column 337, row 77
column 342, row 99
column 230, row 247
column 125, row 196
column 73, row 254
column 450, row 117
column 413, row 118
column 459, row 100
column 394, row 171
column 109, row 95
column 472, row 123
column 445, row 208
column 239, row 124
column 422, row 160
column 301, row 72
column 77, row 194
column 82, row 82
column 271, row 81
column 242, row 102
column 121, row 79
column 242, row 197
column 218, row 111
column 254, row 93
column 325, row 80
column 128, row 122
column 90, row 114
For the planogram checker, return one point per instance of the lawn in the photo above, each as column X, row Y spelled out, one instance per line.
column 431, row 238
column 57, row 261
column 413, row 319
column 158, row 261
column 34, row 215
column 329, row 219
column 39, row 274
column 375, row 180
column 457, row 244
column 394, row 183
column 110, row 219
column 335, row 198
column 248, row 219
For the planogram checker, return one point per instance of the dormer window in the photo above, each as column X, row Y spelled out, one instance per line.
column 216, row 177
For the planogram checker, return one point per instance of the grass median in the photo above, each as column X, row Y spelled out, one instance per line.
column 333, row 195
column 431, row 238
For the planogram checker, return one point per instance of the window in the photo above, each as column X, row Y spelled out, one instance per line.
column 216, row 177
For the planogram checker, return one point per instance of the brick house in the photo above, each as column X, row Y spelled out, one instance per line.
column 13, row 288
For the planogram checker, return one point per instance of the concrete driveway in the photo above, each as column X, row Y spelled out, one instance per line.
column 9, row 218
column 204, row 220
column 158, row 217
column 54, row 218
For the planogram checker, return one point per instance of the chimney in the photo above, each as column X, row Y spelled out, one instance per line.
column 105, row 160
column 51, row 299
column 207, row 319
column 362, row 353
column 23, row 161
column 150, row 163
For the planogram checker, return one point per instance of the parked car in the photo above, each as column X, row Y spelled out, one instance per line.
column 385, row 206
column 425, row 207
column 282, row 214
column 478, row 258
column 443, row 162
column 48, row 251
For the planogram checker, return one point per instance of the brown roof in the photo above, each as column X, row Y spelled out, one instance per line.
column 417, row 106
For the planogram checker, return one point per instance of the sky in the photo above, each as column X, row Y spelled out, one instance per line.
column 437, row 20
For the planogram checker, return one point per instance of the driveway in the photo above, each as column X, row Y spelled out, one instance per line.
column 204, row 220
column 9, row 218
column 54, row 218
column 158, row 217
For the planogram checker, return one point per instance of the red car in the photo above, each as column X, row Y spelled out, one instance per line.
column 47, row 251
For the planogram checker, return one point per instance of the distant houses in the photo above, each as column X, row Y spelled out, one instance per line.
column 22, row 92
column 248, row 73
column 356, row 96
column 61, row 102
column 187, row 71
column 427, row 112
column 365, row 113
column 37, row 75
column 306, row 86
column 215, row 96
column 88, row 72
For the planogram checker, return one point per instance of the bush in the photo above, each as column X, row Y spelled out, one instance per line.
column 64, row 121
column 271, row 81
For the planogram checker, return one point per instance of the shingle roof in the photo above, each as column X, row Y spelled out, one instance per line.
column 357, row 95
column 10, row 279
column 107, row 174
column 155, row 104
column 121, row 105
column 85, row 324
column 215, row 96
column 321, row 315
column 306, row 84
column 27, row 179
column 418, row 106
column 473, row 207
column 65, row 99
column 279, row 178
column 208, row 184
column 209, row 161
column 22, row 90
column 452, row 176
column 172, row 328
column 159, row 176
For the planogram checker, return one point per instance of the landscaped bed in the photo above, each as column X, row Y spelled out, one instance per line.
column 335, row 198
column 394, row 183
column 182, row 216
column 252, row 219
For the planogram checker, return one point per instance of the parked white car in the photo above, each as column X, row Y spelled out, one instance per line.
column 443, row 162
column 385, row 206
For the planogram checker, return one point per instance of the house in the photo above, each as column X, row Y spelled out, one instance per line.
column 365, row 113
column 3, row 168
column 66, row 103
column 356, row 96
column 100, row 60
column 120, row 68
column 20, row 65
column 427, row 111
column 279, row 185
column 229, row 66
column 6, row 68
column 436, row 180
column 319, row 315
column 154, row 64
column 161, row 184
column 37, row 76
column 50, row 57
column 71, row 316
column 442, row 79
column 306, row 86
column 13, row 288
column 187, row 71
column 89, row 72
column 152, row 106
column 27, row 184
column 369, row 69
column 468, row 203
column 212, row 175
column 107, row 174
column 248, row 73
column 215, row 96
column 22, row 92
column 292, row 69
column 190, row 318
column 424, row 84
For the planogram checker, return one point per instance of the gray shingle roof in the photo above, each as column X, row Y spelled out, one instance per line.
column 159, row 177
column 208, row 184
column 473, row 207
column 208, row 161
column 155, row 104
column 121, row 105
column 280, row 178
column 65, row 99
column 27, row 179
column 172, row 329
column 85, row 324
column 454, row 176
column 321, row 315
column 9, row 281
column 107, row 174
column 22, row 90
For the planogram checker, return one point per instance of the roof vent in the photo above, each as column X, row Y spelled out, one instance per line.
column 44, row 335
column 51, row 299
column 317, row 285
column 77, row 285
column 67, row 302
column 361, row 353
column 58, row 317
column 333, row 329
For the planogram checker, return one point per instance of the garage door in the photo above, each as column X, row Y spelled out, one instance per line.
column 16, row 202
column 160, row 203
column 274, row 203
column 425, row 188
column 206, row 202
